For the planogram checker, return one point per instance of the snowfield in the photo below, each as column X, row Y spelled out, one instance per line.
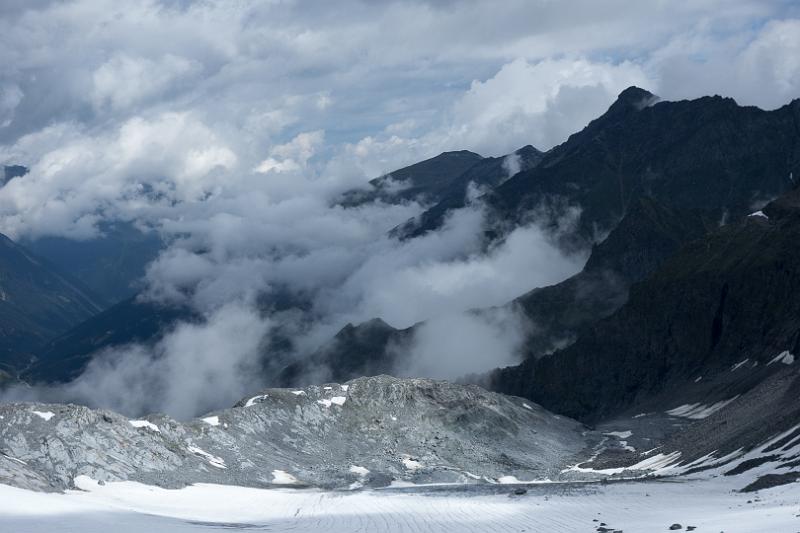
column 709, row 505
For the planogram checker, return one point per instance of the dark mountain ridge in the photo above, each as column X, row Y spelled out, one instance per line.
column 708, row 153
column 722, row 309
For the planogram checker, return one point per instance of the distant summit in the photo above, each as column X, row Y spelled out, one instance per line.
column 635, row 95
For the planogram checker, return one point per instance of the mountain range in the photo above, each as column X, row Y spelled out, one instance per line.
column 686, row 309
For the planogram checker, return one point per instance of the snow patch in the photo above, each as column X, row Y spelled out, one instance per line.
column 784, row 357
column 144, row 424
column 508, row 480
column 256, row 399
column 338, row 400
column 213, row 460
column 44, row 415
column 528, row 407
column 758, row 214
column 281, row 477
column 299, row 392
column 619, row 434
column 211, row 420
column 359, row 470
column 738, row 365
column 345, row 387
column 698, row 411
column 20, row 461
column 656, row 465
column 411, row 464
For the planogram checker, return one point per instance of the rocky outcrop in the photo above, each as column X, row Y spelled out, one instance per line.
column 368, row 432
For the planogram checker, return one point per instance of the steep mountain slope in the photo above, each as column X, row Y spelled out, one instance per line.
column 66, row 356
column 36, row 303
column 648, row 234
column 707, row 326
column 707, row 153
column 110, row 265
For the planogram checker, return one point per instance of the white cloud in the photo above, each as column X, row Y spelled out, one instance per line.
column 124, row 81
column 192, row 370
column 542, row 102
column 455, row 345
column 10, row 97
column 759, row 67
column 78, row 177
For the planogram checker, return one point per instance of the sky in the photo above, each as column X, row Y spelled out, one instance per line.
column 230, row 127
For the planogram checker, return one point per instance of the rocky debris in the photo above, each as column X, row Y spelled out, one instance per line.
column 369, row 432
column 675, row 527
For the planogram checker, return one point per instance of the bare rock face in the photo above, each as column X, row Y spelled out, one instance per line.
column 369, row 432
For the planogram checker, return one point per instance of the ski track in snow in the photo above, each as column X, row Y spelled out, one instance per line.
column 125, row 507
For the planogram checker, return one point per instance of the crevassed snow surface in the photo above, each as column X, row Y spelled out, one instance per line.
column 127, row 507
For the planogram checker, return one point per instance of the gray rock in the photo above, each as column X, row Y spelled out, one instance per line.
column 368, row 432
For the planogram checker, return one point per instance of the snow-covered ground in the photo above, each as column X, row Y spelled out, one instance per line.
column 709, row 505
